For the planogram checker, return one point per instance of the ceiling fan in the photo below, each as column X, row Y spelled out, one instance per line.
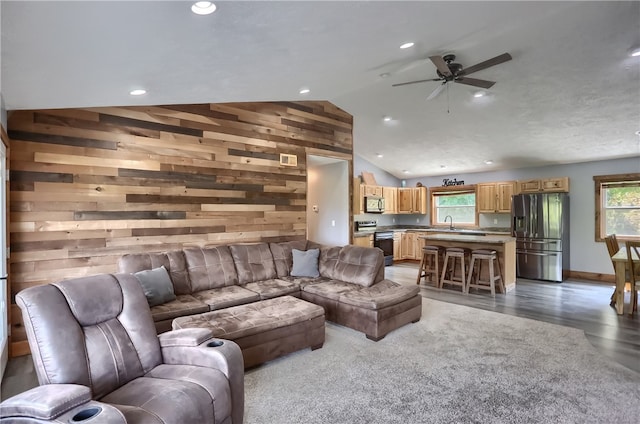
column 448, row 71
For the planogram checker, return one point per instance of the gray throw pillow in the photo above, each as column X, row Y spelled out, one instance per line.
column 156, row 285
column 305, row 263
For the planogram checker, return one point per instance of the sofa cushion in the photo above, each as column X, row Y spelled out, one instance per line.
column 185, row 304
column 359, row 265
column 210, row 267
column 380, row 295
column 268, row 289
column 328, row 260
column 173, row 261
column 223, row 297
column 305, row 263
column 254, row 262
column 253, row 318
column 156, row 285
column 282, row 256
column 331, row 289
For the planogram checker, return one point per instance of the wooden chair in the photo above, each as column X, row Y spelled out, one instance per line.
column 633, row 250
column 612, row 246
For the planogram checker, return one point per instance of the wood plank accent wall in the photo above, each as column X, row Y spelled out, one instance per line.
column 89, row 185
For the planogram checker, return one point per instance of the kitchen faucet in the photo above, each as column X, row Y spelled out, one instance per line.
column 451, row 224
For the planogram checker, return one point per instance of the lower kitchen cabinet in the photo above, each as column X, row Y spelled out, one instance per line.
column 366, row 241
column 408, row 245
column 397, row 246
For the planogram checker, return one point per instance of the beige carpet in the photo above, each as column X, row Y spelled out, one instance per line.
column 457, row 365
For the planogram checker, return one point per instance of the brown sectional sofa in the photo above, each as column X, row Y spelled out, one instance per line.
column 350, row 286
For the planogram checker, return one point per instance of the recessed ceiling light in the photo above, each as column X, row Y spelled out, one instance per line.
column 488, row 161
column 407, row 45
column 479, row 94
column 404, row 171
column 385, row 75
column 387, row 118
column 203, row 8
column 443, row 166
column 635, row 52
column 637, row 133
column 379, row 155
column 138, row 92
column 304, row 91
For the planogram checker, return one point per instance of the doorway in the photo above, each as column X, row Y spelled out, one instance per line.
column 328, row 200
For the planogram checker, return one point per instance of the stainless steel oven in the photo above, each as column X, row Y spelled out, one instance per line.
column 384, row 241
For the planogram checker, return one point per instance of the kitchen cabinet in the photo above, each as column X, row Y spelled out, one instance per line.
column 412, row 200
column 408, row 245
column 390, row 195
column 556, row 185
column 397, row 242
column 420, row 243
column 370, row 190
column 364, row 241
column 495, row 197
column 545, row 185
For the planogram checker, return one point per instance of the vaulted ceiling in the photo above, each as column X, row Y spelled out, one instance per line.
column 571, row 93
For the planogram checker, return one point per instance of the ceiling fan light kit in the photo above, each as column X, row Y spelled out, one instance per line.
column 449, row 71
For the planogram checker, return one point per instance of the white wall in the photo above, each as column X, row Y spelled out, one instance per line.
column 328, row 189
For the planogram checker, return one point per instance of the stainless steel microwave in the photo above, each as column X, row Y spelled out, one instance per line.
column 373, row 204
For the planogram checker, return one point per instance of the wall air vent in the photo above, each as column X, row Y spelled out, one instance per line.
column 288, row 160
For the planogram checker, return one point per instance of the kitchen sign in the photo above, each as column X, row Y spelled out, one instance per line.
column 447, row 182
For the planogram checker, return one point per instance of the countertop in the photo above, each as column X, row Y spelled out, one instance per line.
column 488, row 231
column 488, row 239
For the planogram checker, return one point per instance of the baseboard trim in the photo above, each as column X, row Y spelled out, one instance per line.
column 605, row 279
column 20, row 348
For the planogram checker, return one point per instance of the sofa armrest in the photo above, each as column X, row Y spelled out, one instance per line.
column 59, row 403
column 179, row 348
column 185, row 337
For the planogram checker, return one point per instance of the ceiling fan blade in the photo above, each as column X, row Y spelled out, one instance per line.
column 437, row 91
column 414, row 82
column 504, row 57
column 475, row 82
column 441, row 65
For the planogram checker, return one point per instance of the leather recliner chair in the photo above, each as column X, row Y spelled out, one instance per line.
column 98, row 359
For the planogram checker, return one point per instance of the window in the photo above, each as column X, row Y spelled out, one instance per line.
column 459, row 204
column 617, row 206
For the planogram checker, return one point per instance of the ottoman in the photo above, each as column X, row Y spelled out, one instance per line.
column 266, row 329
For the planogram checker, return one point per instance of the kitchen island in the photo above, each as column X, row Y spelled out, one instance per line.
column 505, row 246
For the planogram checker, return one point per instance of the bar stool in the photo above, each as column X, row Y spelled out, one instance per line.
column 449, row 267
column 475, row 271
column 430, row 264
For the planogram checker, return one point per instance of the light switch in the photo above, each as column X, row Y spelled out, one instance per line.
column 333, row 222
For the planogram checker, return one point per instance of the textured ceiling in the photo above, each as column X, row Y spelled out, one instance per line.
column 570, row 94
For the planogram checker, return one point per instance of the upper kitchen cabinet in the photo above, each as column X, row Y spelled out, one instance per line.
column 546, row 185
column 495, row 197
column 390, row 195
column 412, row 200
column 371, row 191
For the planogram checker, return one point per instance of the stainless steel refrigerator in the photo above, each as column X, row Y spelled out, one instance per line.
column 540, row 224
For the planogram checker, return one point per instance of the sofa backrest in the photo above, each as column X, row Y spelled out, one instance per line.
column 104, row 317
column 282, row 256
column 356, row 264
column 210, row 267
column 254, row 262
column 173, row 261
